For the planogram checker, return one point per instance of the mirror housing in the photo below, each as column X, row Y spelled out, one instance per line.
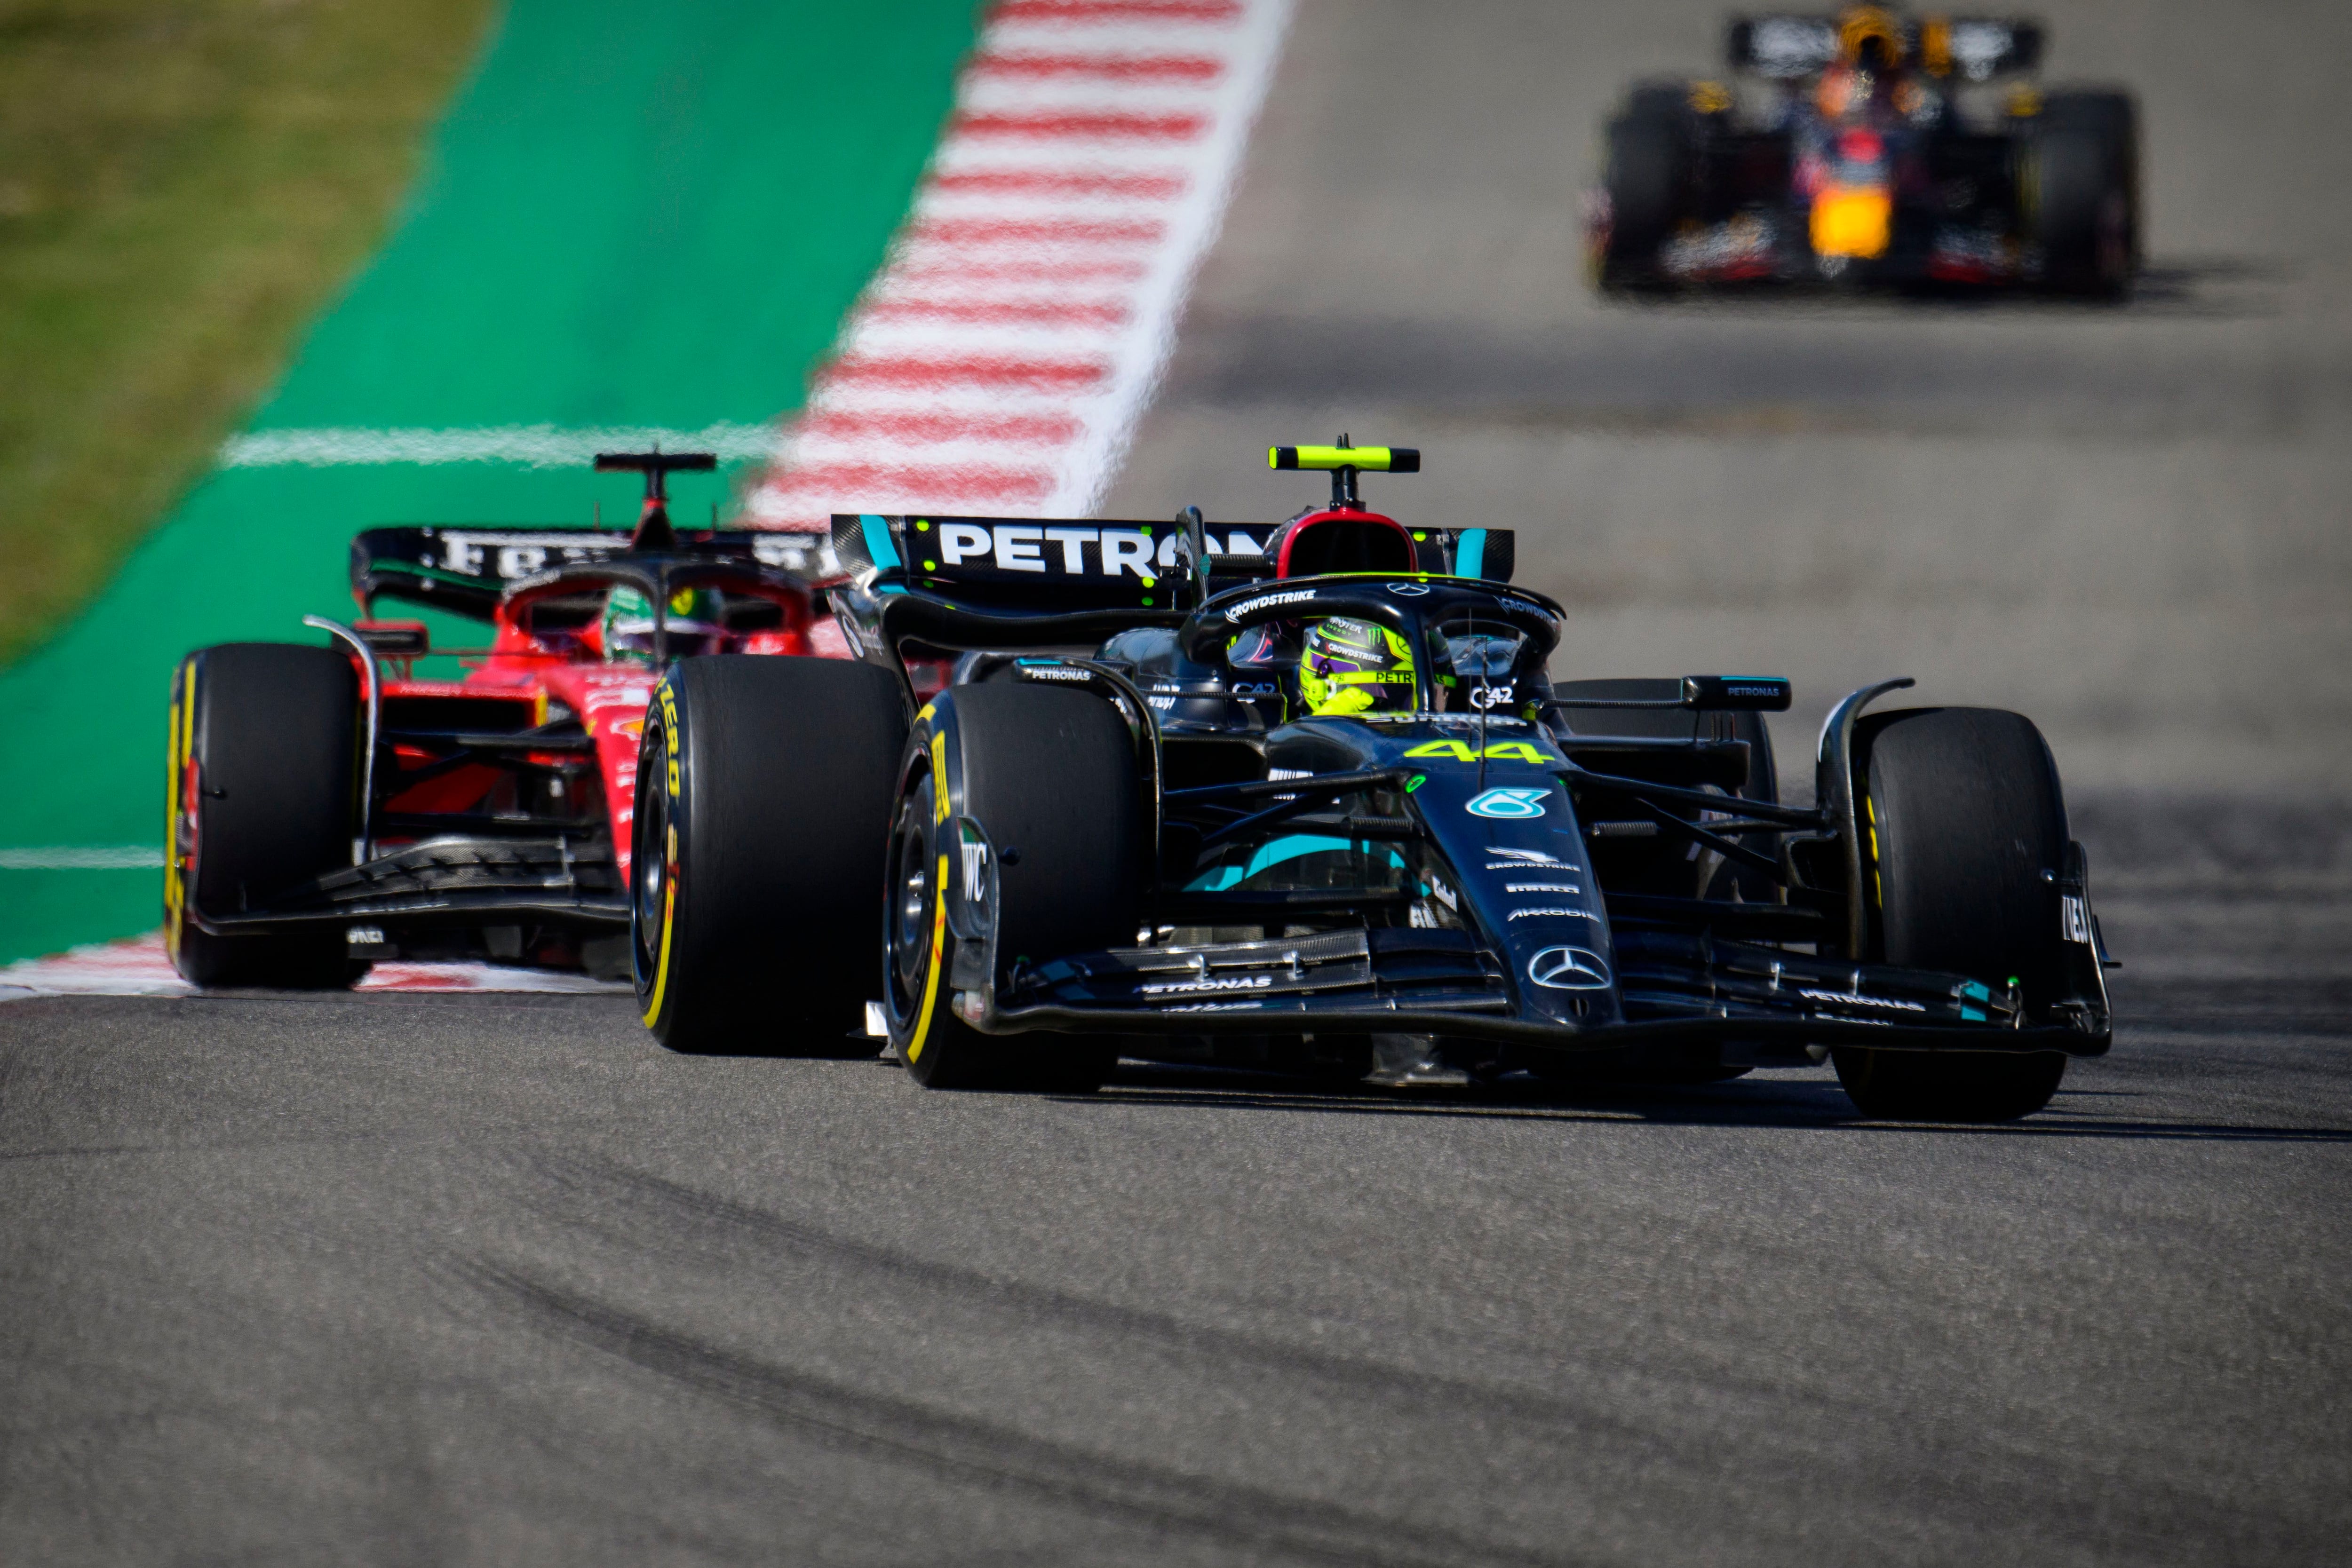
column 1752, row 694
column 395, row 639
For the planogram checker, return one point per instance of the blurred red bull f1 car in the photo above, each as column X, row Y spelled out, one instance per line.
column 1307, row 797
column 329, row 807
column 1872, row 148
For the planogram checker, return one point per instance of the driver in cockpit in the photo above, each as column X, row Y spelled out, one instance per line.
column 1349, row 666
column 692, row 625
column 1346, row 665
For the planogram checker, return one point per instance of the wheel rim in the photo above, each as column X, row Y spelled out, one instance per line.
column 651, row 873
column 908, row 916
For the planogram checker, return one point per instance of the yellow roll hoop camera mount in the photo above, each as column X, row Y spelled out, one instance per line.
column 1344, row 462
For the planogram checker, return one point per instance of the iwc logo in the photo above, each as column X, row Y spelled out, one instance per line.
column 1569, row 970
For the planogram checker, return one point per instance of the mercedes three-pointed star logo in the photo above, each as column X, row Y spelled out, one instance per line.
column 1569, row 970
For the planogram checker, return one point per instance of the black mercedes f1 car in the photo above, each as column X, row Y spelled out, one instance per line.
column 1871, row 147
column 1306, row 798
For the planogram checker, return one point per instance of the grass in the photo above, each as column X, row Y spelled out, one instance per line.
column 183, row 183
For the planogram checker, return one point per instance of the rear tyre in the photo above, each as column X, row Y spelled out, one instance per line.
column 762, row 805
column 1962, row 814
column 1647, row 180
column 2085, row 193
column 1051, row 775
column 264, row 782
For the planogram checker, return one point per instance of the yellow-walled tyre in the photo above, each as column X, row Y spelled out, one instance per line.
column 262, row 796
column 762, row 805
column 1051, row 776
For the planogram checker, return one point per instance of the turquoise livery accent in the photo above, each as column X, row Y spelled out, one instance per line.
column 1470, row 553
column 877, row 542
column 1274, row 853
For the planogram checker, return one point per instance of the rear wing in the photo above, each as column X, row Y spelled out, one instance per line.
column 1054, row 564
column 1978, row 47
column 466, row 567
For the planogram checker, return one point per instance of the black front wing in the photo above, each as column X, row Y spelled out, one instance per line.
column 1673, row 988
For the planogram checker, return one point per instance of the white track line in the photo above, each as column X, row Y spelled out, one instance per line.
column 1000, row 360
column 537, row 446
column 83, row 857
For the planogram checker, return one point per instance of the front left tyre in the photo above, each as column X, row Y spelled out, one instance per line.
column 263, row 772
column 762, row 805
column 1964, row 824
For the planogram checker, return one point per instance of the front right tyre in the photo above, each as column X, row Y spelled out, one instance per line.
column 1647, row 177
column 263, row 773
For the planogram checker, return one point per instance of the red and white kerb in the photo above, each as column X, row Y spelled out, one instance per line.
column 137, row 967
column 999, row 361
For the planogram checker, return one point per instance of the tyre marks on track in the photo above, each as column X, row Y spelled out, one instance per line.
column 1001, row 359
column 813, row 1394
column 957, row 1448
column 637, row 1208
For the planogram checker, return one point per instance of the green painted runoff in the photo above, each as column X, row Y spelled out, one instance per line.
column 631, row 216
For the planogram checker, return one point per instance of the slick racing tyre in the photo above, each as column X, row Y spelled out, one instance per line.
column 1962, row 814
column 1050, row 776
column 762, row 804
column 263, row 778
column 1646, row 179
column 2085, row 193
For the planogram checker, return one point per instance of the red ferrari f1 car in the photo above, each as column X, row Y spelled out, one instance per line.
column 329, row 807
column 1869, row 147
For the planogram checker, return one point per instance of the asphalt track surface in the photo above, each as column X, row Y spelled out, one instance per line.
column 411, row 1279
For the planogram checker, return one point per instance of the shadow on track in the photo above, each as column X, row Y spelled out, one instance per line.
column 2221, row 286
column 1810, row 1106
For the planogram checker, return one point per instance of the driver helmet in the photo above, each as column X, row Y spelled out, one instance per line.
column 628, row 623
column 1355, row 667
